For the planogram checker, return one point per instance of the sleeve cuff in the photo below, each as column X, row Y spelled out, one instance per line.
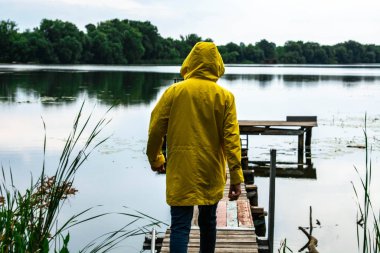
column 236, row 176
column 160, row 160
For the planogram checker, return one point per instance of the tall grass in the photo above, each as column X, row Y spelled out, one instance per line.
column 367, row 222
column 29, row 221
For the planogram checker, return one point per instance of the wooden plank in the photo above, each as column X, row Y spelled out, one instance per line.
column 221, row 214
column 251, row 187
column 257, row 210
column 235, row 230
column 223, row 231
column 194, row 221
column 277, row 123
column 232, row 220
column 255, row 130
column 254, row 249
column 301, row 118
column 228, row 240
column 244, row 214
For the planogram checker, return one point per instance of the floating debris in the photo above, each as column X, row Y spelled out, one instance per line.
column 46, row 99
column 356, row 146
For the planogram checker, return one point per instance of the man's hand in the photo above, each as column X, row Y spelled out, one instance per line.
column 160, row 169
column 235, row 191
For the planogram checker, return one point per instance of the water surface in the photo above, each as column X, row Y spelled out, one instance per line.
column 118, row 174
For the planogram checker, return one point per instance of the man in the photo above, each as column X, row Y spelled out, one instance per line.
column 199, row 118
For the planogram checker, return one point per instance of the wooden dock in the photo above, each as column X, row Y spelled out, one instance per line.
column 239, row 223
column 300, row 126
column 235, row 227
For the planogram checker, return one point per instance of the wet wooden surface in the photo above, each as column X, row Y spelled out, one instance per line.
column 235, row 230
column 269, row 123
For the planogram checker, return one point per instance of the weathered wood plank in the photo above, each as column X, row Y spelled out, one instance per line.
column 235, row 232
column 232, row 220
column 221, row 214
column 277, row 123
column 244, row 214
column 228, row 240
column 251, row 187
column 301, row 118
column 270, row 131
column 194, row 221
column 219, row 250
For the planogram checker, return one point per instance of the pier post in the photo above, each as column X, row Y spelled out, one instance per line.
column 272, row 197
column 153, row 242
column 301, row 144
column 308, row 147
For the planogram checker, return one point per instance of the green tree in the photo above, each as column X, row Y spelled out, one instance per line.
column 101, row 49
column 231, row 53
column 65, row 37
column 34, row 47
column 314, row 53
column 168, row 50
column 8, row 34
column 292, row 53
column 186, row 43
column 356, row 50
column 150, row 39
column 342, row 55
column 254, row 54
column 123, row 42
column 268, row 49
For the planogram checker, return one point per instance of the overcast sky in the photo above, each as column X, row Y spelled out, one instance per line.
column 324, row 21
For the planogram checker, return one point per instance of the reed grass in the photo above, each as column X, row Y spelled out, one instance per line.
column 284, row 247
column 29, row 221
column 367, row 220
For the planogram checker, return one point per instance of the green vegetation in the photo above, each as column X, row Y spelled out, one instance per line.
column 29, row 222
column 368, row 221
column 128, row 88
column 131, row 42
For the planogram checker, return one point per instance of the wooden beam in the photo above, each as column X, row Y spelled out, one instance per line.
column 255, row 130
column 301, row 118
column 277, row 123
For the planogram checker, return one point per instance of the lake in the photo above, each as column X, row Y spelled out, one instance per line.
column 117, row 174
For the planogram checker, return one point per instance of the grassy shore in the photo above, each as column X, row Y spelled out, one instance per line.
column 30, row 220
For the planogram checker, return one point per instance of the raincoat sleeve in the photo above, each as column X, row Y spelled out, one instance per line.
column 232, row 147
column 157, row 130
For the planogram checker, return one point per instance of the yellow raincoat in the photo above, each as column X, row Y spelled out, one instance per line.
column 199, row 118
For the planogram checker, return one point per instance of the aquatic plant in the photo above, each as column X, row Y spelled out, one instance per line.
column 367, row 220
column 284, row 247
column 29, row 221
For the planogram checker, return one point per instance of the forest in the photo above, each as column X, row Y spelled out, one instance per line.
column 139, row 42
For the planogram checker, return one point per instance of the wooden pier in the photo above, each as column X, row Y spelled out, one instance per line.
column 235, row 227
column 300, row 126
column 239, row 223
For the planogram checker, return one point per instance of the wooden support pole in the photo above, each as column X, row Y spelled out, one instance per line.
column 308, row 137
column 308, row 146
column 300, row 148
column 272, row 198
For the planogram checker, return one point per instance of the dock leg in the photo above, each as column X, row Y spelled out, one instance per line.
column 272, row 197
column 308, row 146
column 300, row 150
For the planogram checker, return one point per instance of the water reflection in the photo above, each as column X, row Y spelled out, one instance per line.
column 63, row 87
column 132, row 88
column 260, row 78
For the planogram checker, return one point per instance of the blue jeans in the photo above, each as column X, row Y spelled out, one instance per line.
column 181, row 217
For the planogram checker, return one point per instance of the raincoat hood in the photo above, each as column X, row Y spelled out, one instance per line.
column 204, row 62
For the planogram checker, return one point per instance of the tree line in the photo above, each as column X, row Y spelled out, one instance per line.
column 133, row 42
